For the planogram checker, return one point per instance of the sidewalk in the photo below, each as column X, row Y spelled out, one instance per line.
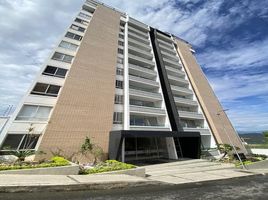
column 182, row 173
column 32, row 183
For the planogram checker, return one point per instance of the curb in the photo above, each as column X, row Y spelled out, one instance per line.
column 78, row 187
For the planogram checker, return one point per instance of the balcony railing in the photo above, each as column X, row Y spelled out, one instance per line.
column 164, row 37
column 164, row 43
column 174, row 71
column 138, row 44
column 143, row 80
column 181, row 90
column 190, row 115
column 140, row 93
column 167, row 49
column 140, row 61
column 138, row 38
column 170, row 56
column 143, row 70
column 148, row 110
column 178, row 80
column 140, row 52
column 141, row 33
column 203, row 131
column 138, row 24
column 185, row 101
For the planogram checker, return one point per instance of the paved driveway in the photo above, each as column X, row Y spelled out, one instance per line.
column 192, row 171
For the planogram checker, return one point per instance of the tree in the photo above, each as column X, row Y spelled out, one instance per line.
column 91, row 148
column 265, row 134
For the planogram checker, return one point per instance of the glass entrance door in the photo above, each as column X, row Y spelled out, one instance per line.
column 145, row 148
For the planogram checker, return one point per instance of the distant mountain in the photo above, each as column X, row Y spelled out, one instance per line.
column 253, row 138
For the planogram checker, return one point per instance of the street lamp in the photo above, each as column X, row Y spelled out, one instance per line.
column 231, row 142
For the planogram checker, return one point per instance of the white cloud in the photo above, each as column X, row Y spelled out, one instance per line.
column 238, row 56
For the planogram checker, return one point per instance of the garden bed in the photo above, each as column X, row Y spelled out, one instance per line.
column 56, row 166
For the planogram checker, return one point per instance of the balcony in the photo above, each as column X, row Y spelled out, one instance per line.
column 139, row 25
column 175, row 72
column 177, row 81
column 164, row 37
column 141, row 71
column 181, row 90
column 136, row 60
column 138, row 52
column 166, row 44
column 138, row 38
column 185, row 102
column 150, row 111
column 143, row 95
column 167, row 49
column 170, row 56
column 151, row 128
column 203, row 131
column 190, row 115
column 139, row 45
column 141, row 33
column 171, row 63
column 142, row 82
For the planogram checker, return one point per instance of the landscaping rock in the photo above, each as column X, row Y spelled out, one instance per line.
column 8, row 159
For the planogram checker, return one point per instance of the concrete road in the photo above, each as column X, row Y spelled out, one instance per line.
column 250, row 187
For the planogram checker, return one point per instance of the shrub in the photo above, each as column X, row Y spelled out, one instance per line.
column 108, row 165
column 55, row 162
column 59, row 160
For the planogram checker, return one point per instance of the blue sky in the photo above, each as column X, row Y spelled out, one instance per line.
column 230, row 38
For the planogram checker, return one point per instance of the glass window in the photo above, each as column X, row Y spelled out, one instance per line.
column 61, row 72
column 118, row 118
column 34, row 113
column 118, row 99
column 29, row 141
column 40, row 87
column 84, row 15
column 73, row 36
column 62, row 57
column 55, row 71
column 81, row 21
column 119, row 84
column 50, row 70
column 77, row 28
column 53, row 90
column 57, row 56
column 12, row 142
column 119, row 71
column 120, row 51
column 46, row 89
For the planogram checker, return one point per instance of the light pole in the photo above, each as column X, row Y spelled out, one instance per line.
column 231, row 142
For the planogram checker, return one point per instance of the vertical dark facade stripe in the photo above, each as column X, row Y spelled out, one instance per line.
column 166, row 88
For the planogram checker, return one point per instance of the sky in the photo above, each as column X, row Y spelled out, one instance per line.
column 230, row 38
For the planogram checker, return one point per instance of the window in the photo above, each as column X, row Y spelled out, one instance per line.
column 46, row 89
column 62, row 57
column 136, row 120
column 34, row 113
column 121, row 36
column 73, row 36
column 118, row 118
column 141, row 103
column 68, row 45
column 120, row 60
column 84, row 15
column 119, row 84
column 119, row 71
column 20, row 141
column 77, row 28
column 55, row 71
column 118, row 99
column 120, row 43
column 120, row 51
column 81, row 21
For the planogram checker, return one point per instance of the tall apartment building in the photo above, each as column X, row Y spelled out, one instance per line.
column 136, row 91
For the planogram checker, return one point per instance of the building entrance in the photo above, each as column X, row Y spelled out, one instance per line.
column 145, row 148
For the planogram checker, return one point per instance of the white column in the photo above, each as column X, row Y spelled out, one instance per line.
column 126, row 78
